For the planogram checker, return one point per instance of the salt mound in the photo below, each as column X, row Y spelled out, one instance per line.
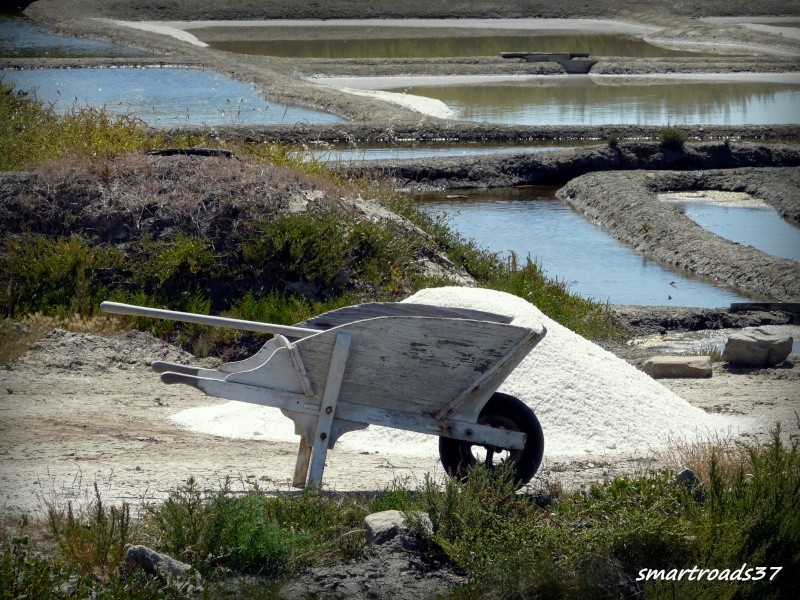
column 587, row 400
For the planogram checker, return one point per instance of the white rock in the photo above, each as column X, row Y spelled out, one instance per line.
column 757, row 348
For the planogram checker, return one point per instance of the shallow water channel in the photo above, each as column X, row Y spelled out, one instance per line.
column 531, row 222
column 580, row 100
column 345, row 155
column 741, row 219
column 376, row 42
column 161, row 97
column 21, row 37
column 760, row 227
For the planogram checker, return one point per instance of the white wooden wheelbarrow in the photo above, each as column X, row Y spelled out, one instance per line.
column 416, row 367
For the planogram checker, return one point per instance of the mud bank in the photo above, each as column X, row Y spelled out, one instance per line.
column 460, row 132
column 557, row 168
column 642, row 321
column 626, row 205
column 342, row 9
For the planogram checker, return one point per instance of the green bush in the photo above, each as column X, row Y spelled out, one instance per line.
column 307, row 247
column 94, row 541
column 592, row 543
column 672, row 137
column 254, row 533
column 55, row 277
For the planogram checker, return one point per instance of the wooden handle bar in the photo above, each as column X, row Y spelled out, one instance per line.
column 158, row 313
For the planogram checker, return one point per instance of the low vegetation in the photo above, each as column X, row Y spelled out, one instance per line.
column 672, row 137
column 598, row 542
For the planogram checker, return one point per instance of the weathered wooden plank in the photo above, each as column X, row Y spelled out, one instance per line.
column 493, row 377
column 353, row 413
column 173, row 315
column 327, row 409
column 278, row 372
column 452, row 428
column 258, row 359
column 371, row 310
column 420, row 364
column 252, row 394
column 301, row 466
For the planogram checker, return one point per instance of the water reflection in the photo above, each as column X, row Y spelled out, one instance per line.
column 426, row 151
column 530, row 221
column 161, row 97
column 21, row 37
column 580, row 101
column 355, row 45
column 760, row 227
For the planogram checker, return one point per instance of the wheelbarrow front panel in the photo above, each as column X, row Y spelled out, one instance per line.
column 420, row 365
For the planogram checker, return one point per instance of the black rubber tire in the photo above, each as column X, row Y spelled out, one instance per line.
column 506, row 412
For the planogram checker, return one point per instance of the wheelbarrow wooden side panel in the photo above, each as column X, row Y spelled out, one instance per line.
column 421, row 365
column 370, row 310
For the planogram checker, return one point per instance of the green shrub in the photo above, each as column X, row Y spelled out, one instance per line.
column 26, row 574
column 62, row 276
column 93, row 541
column 672, row 137
column 254, row 533
column 174, row 271
column 307, row 247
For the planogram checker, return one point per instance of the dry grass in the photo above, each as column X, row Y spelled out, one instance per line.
column 729, row 455
column 17, row 337
column 126, row 197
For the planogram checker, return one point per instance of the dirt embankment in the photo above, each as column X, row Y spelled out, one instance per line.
column 460, row 132
column 356, row 9
column 557, row 168
column 626, row 205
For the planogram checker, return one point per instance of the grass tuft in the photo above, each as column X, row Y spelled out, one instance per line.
column 672, row 137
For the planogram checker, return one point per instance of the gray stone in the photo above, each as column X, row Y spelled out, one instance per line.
column 687, row 478
column 661, row 367
column 383, row 527
column 757, row 348
column 155, row 563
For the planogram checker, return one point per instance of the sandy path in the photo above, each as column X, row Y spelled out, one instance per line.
column 79, row 410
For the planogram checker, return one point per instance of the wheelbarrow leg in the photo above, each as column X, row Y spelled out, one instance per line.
column 301, row 467
column 327, row 408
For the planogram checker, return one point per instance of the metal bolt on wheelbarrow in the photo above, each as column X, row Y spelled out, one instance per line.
column 416, row 367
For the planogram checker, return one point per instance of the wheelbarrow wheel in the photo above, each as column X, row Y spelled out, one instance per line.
column 505, row 412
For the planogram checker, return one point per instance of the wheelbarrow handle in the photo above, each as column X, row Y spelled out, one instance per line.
column 158, row 313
